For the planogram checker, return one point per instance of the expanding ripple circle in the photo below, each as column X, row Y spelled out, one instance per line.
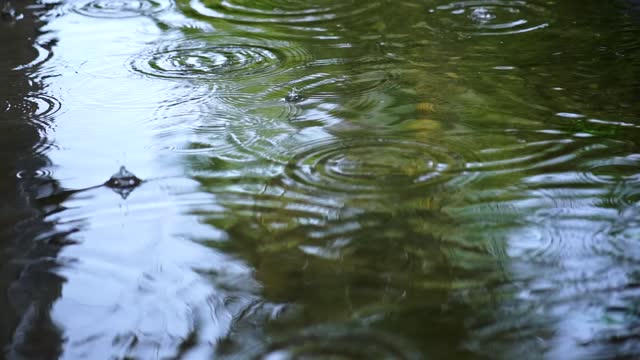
column 373, row 165
column 39, row 174
column 281, row 11
column 490, row 17
column 39, row 108
column 120, row 8
column 341, row 344
column 218, row 58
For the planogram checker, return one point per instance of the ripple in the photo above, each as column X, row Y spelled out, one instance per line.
column 154, row 98
column 38, row 108
column 366, row 81
column 341, row 344
column 262, row 100
column 281, row 11
column 623, row 236
column 42, row 55
column 38, row 111
column 617, row 169
column 349, row 86
column 373, row 165
column 218, row 57
column 543, row 244
column 533, row 153
column 120, row 8
column 223, row 132
column 38, row 174
column 43, row 105
column 490, row 17
column 569, row 115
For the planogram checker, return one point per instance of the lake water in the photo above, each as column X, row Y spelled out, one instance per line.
column 322, row 179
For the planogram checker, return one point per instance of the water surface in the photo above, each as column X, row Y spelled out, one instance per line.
column 322, row 180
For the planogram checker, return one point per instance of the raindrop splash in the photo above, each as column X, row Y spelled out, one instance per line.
column 123, row 182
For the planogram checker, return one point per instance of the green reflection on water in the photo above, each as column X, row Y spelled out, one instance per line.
column 446, row 174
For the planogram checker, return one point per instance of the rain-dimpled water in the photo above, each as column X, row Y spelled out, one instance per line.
column 320, row 179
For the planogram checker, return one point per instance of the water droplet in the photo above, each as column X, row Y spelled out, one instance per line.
column 123, row 182
column 293, row 96
column 482, row 15
column 491, row 17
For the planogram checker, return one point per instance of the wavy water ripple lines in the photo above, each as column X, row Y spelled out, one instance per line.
column 281, row 11
column 120, row 8
column 538, row 150
column 223, row 132
column 371, row 166
column 39, row 110
column 350, row 85
column 184, row 96
column 367, row 81
column 490, row 17
column 624, row 236
column 219, row 58
column 43, row 53
column 41, row 107
column 341, row 344
column 620, row 169
column 326, row 179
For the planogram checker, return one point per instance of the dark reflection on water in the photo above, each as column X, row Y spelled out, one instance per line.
column 323, row 179
column 28, row 243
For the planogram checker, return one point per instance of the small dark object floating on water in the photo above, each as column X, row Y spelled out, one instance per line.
column 123, row 182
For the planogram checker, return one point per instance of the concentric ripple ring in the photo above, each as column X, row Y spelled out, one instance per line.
column 218, row 57
column 120, row 8
column 280, row 11
column 491, row 17
column 373, row 165
column 340, row 344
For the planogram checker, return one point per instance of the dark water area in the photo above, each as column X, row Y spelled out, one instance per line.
column 278, row 179
column 29, row 243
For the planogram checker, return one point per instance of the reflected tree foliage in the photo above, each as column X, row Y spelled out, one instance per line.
column 28, row 244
